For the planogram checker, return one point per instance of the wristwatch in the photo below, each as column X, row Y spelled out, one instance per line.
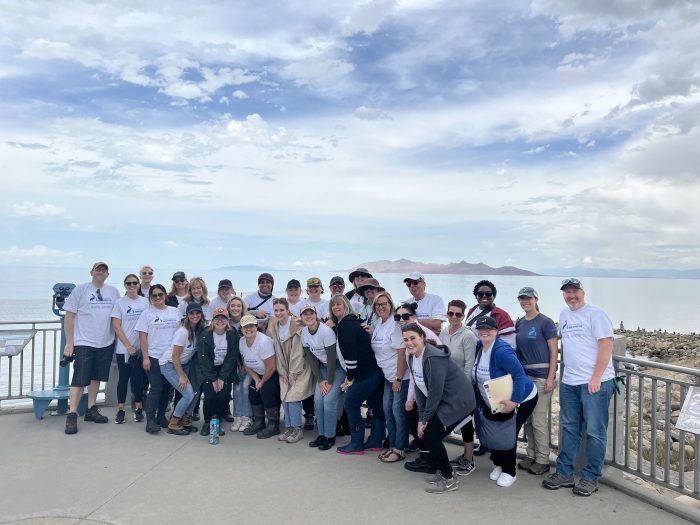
column 398, row 379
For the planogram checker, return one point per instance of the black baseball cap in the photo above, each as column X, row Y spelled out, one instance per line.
column 486, row 321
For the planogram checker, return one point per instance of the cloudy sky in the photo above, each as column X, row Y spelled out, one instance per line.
column 315, row 134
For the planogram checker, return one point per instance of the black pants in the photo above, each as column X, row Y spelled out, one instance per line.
column 127, row 373
column 215, row 402
column 269, row 395
column 433, row 434
column 308, row 406
column 506, row 458
column 158, row 392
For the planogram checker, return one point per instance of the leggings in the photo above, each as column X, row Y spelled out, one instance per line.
column 129, row 373
column 506, row 458
column 433, row 435
column 215, row 403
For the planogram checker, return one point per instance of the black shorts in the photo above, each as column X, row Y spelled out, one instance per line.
column 91, row 364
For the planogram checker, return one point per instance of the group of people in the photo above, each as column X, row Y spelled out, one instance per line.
column 422, row 369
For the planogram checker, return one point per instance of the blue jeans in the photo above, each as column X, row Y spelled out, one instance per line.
column 328, row 406
column 371, row 389
column 395, row 413
column 184, row 405
column 577, row 407
column 241, row 403
column 292, row 410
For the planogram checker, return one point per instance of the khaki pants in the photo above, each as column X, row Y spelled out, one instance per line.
column 536, row 427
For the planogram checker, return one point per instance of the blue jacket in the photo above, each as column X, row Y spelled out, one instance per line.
column 503, row 362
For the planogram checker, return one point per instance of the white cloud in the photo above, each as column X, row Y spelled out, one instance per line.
column 239, row 94
column 367, row 113
column 38, row 251
column 37, row 211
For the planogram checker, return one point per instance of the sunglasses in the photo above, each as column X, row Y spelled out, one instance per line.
column 337, row 284
column 381, row 305
column 179, row 280
column 405, row 317
column 455, row 314
column 484, row 294
column 412, row 283
column 157, row 295
column 221, row 318
column 131, row 283
column 146, row 273
column 573, row 281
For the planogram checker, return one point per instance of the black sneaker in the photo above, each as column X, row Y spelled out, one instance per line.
column 412, row 447
column 152, row 427
column 138, row 415
column 316, row 442
column 72, row 423
column 423, row 463
column 93, row 414
column 327, row 444
column 308, row 422
column 119, row 419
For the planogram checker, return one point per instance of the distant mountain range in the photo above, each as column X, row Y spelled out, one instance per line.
column 461, row 267
column 612, row 272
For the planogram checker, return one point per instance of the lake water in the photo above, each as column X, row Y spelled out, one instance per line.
column 668, row 304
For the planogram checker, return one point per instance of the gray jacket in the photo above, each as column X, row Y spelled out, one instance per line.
column 450, row 392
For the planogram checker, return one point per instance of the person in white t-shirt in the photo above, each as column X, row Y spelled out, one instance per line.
column 156, row 327
column 314, row 289
column 431, row 307
column 125, row 314
column 242, row 413
column 294, row 299
column 90, row 339
column 587, row 384
column 259, row 304
column 224, row 292
column 199, row 294
column 368, row 289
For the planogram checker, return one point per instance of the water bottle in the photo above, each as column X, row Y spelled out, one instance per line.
column 214, row 431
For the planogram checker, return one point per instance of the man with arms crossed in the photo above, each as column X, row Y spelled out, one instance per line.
column 586, row 387
column 90, row 339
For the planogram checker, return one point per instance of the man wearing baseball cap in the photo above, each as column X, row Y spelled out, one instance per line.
column 337, row 285
column 431, row 310
column 224, row 292
column 587, row 384
column 90, row 339
column 259, row 303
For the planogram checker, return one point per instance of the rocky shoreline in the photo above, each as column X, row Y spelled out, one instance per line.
column 663, row 347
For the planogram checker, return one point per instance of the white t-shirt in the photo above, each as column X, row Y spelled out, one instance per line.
column 253, row 357
column 128, row 311
column 317, row 343
column 580, row 331
column 418, row 378
column 322, row 309
column 180, row 338
column 254, row 299
column 160, row 325
column 356, row 301
column 217, row 302
column 93, row 317
column 295, row 309
column 430, row 307
column 283, row 330
column 386, row 341
column 220, row 348
column 483, row 371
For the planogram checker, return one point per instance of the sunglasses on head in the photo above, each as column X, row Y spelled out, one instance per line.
column 484, row 294
column 404, row 317
column 412, row 283
column 455, row 314
column 131, row 283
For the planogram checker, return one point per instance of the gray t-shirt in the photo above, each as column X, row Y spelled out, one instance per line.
column 531, row 344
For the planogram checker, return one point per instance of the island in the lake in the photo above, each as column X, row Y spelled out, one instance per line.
column 461, row 267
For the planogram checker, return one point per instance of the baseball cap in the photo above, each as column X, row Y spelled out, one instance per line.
column 527, row 291
column 293, row 284
column 100, row 263
column 179, row 275
column 571, row 281
column 225, row 283
column 307, row 306
column 219, row 312
column 337, row 280
column 247, row 320
column 193, row 306
column 313, row 281
column 267, row 276
column 414, row 276
column 486, row 321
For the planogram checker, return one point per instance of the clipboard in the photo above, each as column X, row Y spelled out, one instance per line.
column 497, row 390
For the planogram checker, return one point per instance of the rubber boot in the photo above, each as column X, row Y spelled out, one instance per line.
column 356, row 445
column 258, row 421
column 175, row 427
column 187, row 422
column 273, row 424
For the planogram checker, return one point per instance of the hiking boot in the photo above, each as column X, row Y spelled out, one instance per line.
column 93, row 414
column 327, row 444
column 296, row 435
column 175, row 427
column 245, row 423
column 308, row 422
column 119, row 418
column 555, row 481
column 205, row 428
column 273, row 424
column 258, row 422
column 585, row 487
column 442, row 485
column 538, row 468
column 187, row 422
column 152, row 427
column 287, row 433
column 138, row 415
column 526, row 463
column 72, row 423
column 465, row 467
column 423, row 463
column 162, row 421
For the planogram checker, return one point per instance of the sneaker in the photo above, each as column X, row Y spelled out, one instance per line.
column 152, row 427
column 93, row 414
column 458, row 461
column 434, row 478
column 538, row 468
column 555, row 481
column 505, row 480
column 72, row 423
column 236, row 424
column 138, row 415
column 526, row 463
column 467, row 468
column 296, row 435
column 585, row 487
column 286, row 434
column 423, row 463
column 317, row 442
column 308, row 422
column 119, row 419
column 245, row 423
column 443, row 485
column 495, row 473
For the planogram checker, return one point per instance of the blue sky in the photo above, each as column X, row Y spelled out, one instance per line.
column 539, row 134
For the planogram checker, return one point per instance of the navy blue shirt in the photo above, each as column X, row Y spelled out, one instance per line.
column 531, row 344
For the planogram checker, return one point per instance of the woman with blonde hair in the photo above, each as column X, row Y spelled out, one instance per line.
column 198, row 293
column 242, row 412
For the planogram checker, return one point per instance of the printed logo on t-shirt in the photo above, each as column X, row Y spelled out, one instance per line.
column 571, row 328
column 532, row 334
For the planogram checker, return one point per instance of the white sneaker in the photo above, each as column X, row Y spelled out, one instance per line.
column 505, row 480
column 495, row 473
column 245, row 423
column 236, row 425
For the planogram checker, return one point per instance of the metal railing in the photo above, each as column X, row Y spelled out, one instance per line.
column 645, row 440
column 37, row 366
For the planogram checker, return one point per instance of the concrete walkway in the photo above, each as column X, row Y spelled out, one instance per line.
column 119, row 474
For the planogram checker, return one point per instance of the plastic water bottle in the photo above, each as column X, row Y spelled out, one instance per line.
column 214, row 426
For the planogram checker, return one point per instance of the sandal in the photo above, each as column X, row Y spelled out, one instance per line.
column 384, row 453
column 393, row 456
